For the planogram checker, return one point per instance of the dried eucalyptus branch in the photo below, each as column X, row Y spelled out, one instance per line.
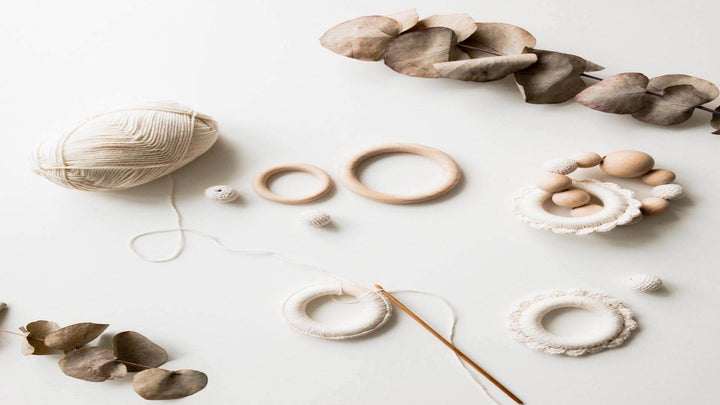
column 130, row 352
column 455, row 46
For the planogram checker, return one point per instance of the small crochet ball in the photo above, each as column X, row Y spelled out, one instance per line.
column 560, row 166
column 316, row 219
column 224, row 194
column 645, row 282
column 669, row 192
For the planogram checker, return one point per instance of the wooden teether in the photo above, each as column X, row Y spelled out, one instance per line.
column 451, row 173
column 261, row 179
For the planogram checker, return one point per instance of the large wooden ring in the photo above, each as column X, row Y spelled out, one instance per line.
column 451, row 173
column 261, row 179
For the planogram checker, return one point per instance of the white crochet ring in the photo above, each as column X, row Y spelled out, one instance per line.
column 619, row 208
column 377, row 311
column 525, row 322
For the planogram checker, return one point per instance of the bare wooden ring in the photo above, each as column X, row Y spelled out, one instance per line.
column 451, row 173
column 261, row 179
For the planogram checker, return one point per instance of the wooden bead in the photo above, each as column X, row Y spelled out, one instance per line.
column 571, row 198
column 586, row 210
column 586, row 159
column 658, row 177
column 553, row 182
column 627, row 163
column 654, row 205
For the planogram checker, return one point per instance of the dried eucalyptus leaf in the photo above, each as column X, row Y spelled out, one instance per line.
column 704, row 88
column 157, row 383
column 414, row 53
column 112, row 370
column 619, row 94
column 74, row 336
column 715, row 122
column 3, row 306
column 485, row 69
column 462, row 24
column 88, row 363
column 554, row 78
column 363, row 38
column 499, row 38
column 35, row 332
column 135, row 348
column 407, row 19
column 674, row 106
column 593, row 67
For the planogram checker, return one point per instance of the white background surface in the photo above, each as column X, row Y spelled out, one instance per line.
column 279, row 96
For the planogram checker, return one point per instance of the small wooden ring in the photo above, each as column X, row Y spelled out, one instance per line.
column 451, row 173
column 261, row 179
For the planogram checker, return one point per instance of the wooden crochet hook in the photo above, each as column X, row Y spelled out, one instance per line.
column 448, row 344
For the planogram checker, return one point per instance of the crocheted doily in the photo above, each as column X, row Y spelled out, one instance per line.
column 525, row 322
column 619, row 208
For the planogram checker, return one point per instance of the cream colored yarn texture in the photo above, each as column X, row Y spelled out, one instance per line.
column 126, row 147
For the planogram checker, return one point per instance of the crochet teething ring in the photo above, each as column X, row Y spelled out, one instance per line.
column 261, row 179
column 376, row 314
column 526, row 322
column 451, row 173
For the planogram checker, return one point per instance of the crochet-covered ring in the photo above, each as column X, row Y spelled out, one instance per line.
column 526, row 322
column 619, row 208
column 261, row 179
column 375, row 312
column 451, row 173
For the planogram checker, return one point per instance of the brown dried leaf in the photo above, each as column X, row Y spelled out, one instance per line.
column 593, row 67
column 3, row 306
column 113, row 370
column 704, row 88
column 498, row 39
column 407, row 19
column 554, row 78
column 35, row 332
column 157, row 383
column 462, row 24
column 74, row 336
column 715, row 122
column 485, row 69
column 90, row 364
column 414, row 53
column 135, row 348
column 619, row 94
column 363, row 38
column 674, row 106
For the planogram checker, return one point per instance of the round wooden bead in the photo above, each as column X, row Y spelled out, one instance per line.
column 553, row 182
column 586, row 159
column 627, row 163
column 571, row 198
column 669, row 191
column 560, row 166
column 654, row 205
column 586, row 210
column 658, row 177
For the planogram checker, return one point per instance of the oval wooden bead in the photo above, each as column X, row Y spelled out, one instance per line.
column 553, row 182
column 654, row 205
column 586, row 210
column 658, row 177
column 571, row 198
column 586, row 159
column 627, row 163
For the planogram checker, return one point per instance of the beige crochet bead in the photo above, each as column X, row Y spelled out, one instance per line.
column 586, row 210
column 316, row 219
column 669, row 191
column 222, row 193
column 645, row 282
column 654, row 205
column 586, row 159
column 560, row 166
column 627, row 163
column 571, row 198
column 658, row 177
column 553, row 182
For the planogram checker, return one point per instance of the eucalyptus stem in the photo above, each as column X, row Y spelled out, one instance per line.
column 129, row 363
column 11, row 332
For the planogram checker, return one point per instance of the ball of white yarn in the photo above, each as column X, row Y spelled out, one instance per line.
column 126, row 147
column 221, row 193
column 560, row 166
column 669, row 191
column 316, row 219
column 645, row 282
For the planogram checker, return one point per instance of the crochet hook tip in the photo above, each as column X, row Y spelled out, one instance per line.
column 379, row 287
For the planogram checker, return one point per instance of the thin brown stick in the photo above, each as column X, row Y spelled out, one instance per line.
column 129, row 363
column 452, row 347
column 12, row 332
